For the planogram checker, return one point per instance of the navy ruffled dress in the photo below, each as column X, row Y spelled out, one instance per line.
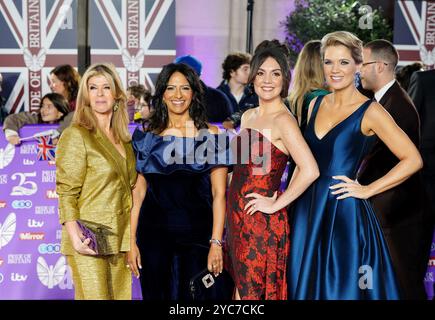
column 176, row 217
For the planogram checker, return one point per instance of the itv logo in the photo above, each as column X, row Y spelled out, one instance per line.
column 32, row 223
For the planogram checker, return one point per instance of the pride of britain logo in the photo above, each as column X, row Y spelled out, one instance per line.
column 49, row 275
column 7, row 155
column 7, row 229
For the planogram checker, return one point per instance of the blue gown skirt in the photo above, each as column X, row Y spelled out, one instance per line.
column 338, row 251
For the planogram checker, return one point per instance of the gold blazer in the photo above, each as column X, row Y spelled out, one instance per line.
column 94, row 184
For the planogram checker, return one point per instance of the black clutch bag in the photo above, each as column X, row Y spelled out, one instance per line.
column 205, row 286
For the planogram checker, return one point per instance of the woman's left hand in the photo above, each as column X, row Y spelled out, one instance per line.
column 215, row 261
column 349, row 188
column 260, row 203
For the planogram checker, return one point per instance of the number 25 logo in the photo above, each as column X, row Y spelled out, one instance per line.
column 24, row 188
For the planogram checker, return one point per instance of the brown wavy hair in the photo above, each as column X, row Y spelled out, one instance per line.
column 279, row 52
column 70, row 78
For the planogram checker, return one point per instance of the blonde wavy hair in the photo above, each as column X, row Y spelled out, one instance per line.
column 308, row 76
column 84, row 116
column 344, row 38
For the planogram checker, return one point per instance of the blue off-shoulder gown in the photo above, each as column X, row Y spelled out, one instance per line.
column 338, row 251
column 176, row 216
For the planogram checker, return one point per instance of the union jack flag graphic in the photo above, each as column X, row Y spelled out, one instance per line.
column 36, row 35
column 46, row 148
column 137, row 36
column 414, row 31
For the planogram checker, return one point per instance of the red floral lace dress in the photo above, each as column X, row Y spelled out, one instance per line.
column 257, row 245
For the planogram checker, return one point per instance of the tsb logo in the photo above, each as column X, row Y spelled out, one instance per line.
column 22, row 204
column 49, row 248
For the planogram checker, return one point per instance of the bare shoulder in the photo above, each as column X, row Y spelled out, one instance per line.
column 284, row 119
column 375, row 112
column 249, row 113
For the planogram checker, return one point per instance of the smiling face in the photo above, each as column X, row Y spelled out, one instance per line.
column 101, row 97
column 339, row 67
column 268, row 81
column 49, row 113
column 178, row 94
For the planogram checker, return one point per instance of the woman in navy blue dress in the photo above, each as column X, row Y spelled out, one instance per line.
column 337, row 249
column 177, row 229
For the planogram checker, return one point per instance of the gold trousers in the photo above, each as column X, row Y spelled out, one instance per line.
column 100, row 277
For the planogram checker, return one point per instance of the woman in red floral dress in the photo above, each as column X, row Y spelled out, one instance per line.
column 258, row 231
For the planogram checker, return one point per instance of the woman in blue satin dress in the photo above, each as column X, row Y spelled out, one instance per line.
column 338, row 251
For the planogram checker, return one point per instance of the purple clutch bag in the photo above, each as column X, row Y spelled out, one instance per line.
column 88, row 233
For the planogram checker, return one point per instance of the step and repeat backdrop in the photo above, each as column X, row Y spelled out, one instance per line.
column 31, row 266
column 137, row 36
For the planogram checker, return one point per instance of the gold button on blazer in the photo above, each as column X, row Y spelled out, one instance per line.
column 94, row 184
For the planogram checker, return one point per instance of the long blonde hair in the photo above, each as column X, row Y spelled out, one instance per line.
column 84, row 116
column 308, row 75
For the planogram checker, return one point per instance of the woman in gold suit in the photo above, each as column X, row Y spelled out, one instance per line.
column 95, row 174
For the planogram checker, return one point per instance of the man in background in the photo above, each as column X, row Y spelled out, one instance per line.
column 217, row 104
column 402, row 210
column 234, row 84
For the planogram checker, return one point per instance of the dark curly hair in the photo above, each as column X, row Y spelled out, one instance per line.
column 277, row 51
column 233, row 61
column 159, row 119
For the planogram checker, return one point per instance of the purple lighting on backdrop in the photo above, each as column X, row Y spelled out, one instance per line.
column 208, row 48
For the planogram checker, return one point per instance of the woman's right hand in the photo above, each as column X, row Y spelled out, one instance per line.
column 78, row 240
column 82, row 247
column 133, row 259
column 15, row 140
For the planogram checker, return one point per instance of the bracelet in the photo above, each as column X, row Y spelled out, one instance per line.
column 216, row 241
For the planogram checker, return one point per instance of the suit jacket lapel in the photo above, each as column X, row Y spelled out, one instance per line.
column 119, row 163
column 385, row 100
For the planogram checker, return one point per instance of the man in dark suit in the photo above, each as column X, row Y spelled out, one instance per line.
column 421, row 90
column 401, row 210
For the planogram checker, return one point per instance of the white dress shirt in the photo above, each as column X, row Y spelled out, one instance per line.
column 380, row 93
